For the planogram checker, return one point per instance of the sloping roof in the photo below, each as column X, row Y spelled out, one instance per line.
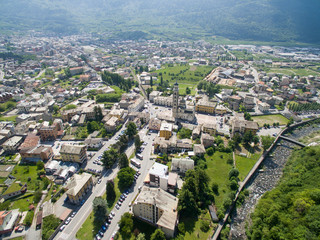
column 3, row 215
column 77, row 182
column 71, row 149
column 164, row 201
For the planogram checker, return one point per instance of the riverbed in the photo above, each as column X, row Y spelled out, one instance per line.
column 265, row 180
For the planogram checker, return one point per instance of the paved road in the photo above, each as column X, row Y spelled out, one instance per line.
column 146, row 164
column 98, row 190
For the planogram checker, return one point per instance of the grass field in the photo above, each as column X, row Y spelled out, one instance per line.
column 192, row 226
column 244, row 165
column 270, row 119
column 22, row 203
column 23, row 173
column 218, row 171
column 88, row 230
column 293, row 71
column 11, row 118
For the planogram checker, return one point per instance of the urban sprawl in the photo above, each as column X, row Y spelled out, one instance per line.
column 101, row 140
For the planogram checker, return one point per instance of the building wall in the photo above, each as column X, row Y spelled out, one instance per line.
column 79, row 196
column 205, row 109
column 165, row 134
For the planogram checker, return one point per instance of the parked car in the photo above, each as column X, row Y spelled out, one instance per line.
column 62, row 227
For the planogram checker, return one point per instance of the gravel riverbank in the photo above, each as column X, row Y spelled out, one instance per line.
column 265, row 180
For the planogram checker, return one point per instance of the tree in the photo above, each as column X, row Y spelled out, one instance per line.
column 188, row 90
column 137, row 141
column 158, row 235
column 210, row 151
column 266, row 141
column 111, row 193
column 123, row 161
column 99, row 210
column 126, row 225
column 247, row 137
column 131, row 129
column 29, row 218
column 126, row 177
column 70, row 106
column 255, row 139
column 149, row 90
column 184, row 133
column 37, row 196
column 233, row 173
column 215, row 187
column 141, row 236
column 109, row 158
column 98, row 113
column 55, row 109
column 40, row 165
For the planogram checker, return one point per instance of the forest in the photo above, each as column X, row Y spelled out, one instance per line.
column 292, row 209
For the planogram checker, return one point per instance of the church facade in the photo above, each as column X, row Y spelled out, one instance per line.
column 180, row 111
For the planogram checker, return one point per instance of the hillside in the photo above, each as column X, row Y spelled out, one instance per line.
column 292, row 209
column 253, row 20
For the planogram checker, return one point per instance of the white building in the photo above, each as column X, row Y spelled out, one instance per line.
column 182, row 164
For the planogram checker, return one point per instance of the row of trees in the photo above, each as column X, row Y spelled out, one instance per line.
column 304, row 107
column 116, row 79
column 195, row 193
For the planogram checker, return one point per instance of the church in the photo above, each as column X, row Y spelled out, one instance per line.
column 180, row 111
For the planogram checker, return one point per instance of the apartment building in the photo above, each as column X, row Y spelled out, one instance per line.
column 78, row 187
column 158, row 208
column 73, row 153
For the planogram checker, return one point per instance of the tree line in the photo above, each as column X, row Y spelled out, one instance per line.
column 116, row 79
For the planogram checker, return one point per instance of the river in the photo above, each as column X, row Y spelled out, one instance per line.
column 265, row 180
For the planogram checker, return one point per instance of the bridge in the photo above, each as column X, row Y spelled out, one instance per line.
column 292, row 141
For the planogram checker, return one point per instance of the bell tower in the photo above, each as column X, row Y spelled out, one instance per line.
column 175, row 100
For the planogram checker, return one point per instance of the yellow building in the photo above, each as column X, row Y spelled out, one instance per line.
column 73, row 153
column 205, row 106
column 166, row 130
column 79, row 187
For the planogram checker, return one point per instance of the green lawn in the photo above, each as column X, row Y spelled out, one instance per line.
column 184, row 73
column 270, row 119
column 11, row 118
column 291, row 71
column 13, row 188
column 244, row 165
column 24, row 172
column 192, row 227
column 22, row 202
column 88, row 230
column 218, row 171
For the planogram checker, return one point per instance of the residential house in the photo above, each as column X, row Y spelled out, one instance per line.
column 199, row 149
column 73, row 153
column 78, row 187
column 8, row 220
column 95, row 143
column 14, row 190
column 207, row 140
column 37, row 153
column 12, row 144
column 182, row 164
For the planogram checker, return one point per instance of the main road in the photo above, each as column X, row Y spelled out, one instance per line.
column 69, row 233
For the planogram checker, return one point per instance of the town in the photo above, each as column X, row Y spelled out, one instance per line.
column 138, row 139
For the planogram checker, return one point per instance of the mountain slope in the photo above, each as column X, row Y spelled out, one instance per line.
column 262, row 20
